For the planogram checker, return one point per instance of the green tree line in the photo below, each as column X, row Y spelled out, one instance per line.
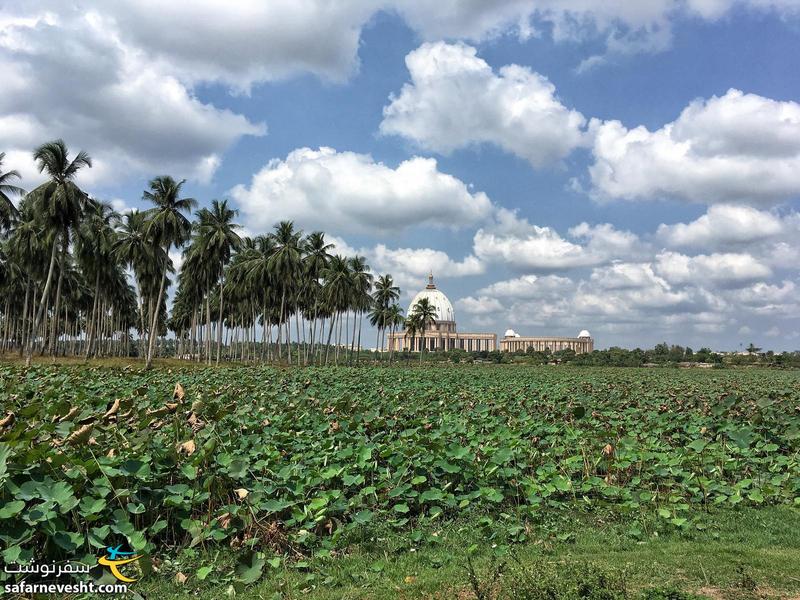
column 77, row 278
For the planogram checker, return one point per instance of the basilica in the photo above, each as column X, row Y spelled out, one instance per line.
column 443, row 334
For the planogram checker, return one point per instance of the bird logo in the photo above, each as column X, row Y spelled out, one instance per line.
column 115, row 558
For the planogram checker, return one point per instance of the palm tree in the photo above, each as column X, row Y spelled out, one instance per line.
column 377, row 318
column 394, row 319
column 254, row 264
column 336, row 293
column 285, row 264
column 193, row 286
column 316, row 259
column 360, row 299
column 58, row 203
column 218, row 238
column 134, row 248
column 95, row 252
column 8, row 212
column 167, row 226
column 412, row 325
column 245, row 299
column 423, row 315
column 385, row 294
column 27, row 250
column 753, row 349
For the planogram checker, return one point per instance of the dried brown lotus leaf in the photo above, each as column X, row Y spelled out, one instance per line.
column 70, row 415
column 80, row 436
column 113, row 410
column 178, row 393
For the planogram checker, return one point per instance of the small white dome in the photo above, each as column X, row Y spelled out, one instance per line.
column 444, row 310
column 510, row 333
column 516, row 334
column 584, row 334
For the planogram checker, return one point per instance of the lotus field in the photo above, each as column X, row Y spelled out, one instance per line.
column 296, row 462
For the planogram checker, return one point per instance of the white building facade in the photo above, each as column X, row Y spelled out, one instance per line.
column 443, row 334
column 513, row 342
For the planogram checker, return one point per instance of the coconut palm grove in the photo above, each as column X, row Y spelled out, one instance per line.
column 257, row 259
column 67, row 259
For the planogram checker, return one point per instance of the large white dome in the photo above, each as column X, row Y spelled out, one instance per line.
column 444, row 310
column 584, row 334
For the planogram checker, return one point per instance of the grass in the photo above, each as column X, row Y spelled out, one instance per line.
column 748, row 553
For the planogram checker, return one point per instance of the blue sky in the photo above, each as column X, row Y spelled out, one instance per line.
column 546, row 209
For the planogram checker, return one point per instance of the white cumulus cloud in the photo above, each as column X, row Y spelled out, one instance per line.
column 524, row 246
column 479, row 306
column 723, row 269
column 410, row 266
column 739, row 147
column 456, row 100
column 71, row 76
column 622, row 26
column 721, row 225
column 346, row 192
column 530, row 287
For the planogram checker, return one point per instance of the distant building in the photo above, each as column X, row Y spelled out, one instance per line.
column 443, row 334
column 513, row 342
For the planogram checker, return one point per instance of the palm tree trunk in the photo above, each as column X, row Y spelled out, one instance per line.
column 6, row 324
column 353, row 339
column 263, row 329
column 208, row 320
column 297, row 329
column 94, row 312
column 42, row 330
column 193, row 333
column 51, row 337
column 339, row 335
column 149, row 320
column 99, row 327
column 314, row 332
column 221, row 298
column 287, row 325
column 330, row 333
column 280, row 322
column 254, row 347
column 199, row 333
column 358, row 344
column 154, row 328
column 142, row 330
column 23, row 325
column 40, row 312
column 56, row 313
